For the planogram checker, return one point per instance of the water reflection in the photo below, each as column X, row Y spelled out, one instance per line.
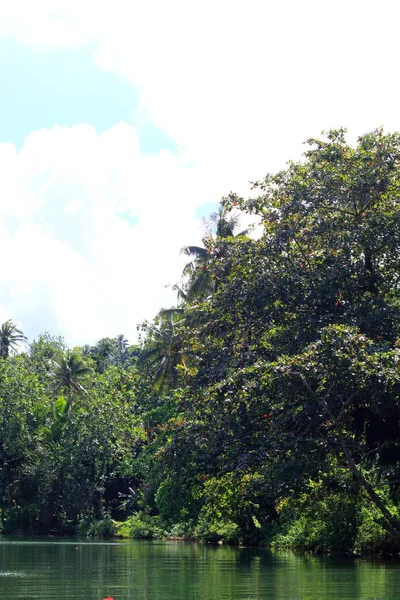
column 51, row 569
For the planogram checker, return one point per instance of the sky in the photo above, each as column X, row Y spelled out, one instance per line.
column 123, row 123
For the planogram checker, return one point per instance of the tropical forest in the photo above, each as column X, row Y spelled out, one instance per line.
column 262, row 409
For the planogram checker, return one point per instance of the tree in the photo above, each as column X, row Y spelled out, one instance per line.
column 10, row 338
column 331, row 235
column 103, row 353
column 44, row 350
column 59, row 466
column 68, row 372
column 201, row 283
column 325, row 268
column 161, row 353
column 108, row 352
column 22, row 399
column 123, row 354
column 342, row 397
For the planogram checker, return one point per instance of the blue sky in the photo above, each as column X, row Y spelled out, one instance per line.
column 122, row 124
column 41, row 88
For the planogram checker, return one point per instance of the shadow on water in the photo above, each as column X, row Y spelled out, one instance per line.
column 66, row 568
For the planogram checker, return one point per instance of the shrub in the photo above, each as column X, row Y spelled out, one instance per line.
column 233, row 509
column 182, row 529
column 105, row 528
column 323, row 520
column 218, row 531
column 142, row 525
column 372, row 537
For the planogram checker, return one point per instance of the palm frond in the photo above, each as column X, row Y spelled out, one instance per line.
column 182, row 295
column 196, row 251
column 171, row 312
column 201, row 287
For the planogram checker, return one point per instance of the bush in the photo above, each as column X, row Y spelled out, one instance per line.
column 372, row 537
column 105, row 528
column 141, row 525
column 233, row 510
column 323, row 520
column 17, row 519
column 185, row 530
column 218, row 531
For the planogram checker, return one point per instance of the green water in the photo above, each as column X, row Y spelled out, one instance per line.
column 53, row 569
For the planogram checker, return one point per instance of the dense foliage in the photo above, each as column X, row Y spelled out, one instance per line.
column 264, row 408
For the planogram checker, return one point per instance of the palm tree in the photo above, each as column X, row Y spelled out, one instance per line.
column 200, row 284
column 162, row 351
column 67, row 373
column 223, row 224
column 123, row 353
column 103, row 353
column 10, row 338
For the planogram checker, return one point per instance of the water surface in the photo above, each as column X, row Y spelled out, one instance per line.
column 54, row 569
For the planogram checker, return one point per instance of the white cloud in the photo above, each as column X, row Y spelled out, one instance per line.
column 238, row 85
column 73, row 265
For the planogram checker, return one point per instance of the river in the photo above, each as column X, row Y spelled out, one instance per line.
column 54, row 569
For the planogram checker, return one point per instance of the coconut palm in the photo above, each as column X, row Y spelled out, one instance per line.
column 68, row 372
column 162, row 351
column 108, row 352
column 10, row 338
column 220, row 226
column 224, row 223
column 103, row 353
column 123, row 353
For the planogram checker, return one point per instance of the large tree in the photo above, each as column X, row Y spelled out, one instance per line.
column 296, row 363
